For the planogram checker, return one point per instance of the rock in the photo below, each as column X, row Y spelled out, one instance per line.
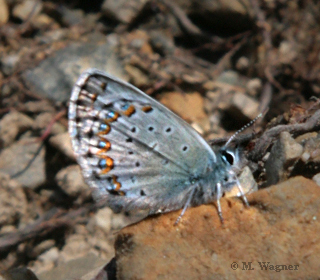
column 247, row 182
column 55, row 35
column 7, row 228
column 21, row 273
column 100, row 273
column 76, row 246
column 275, row 234
column 188, row 106
column 50, row 255
column 228, row 77
column 212, row 7
column 302, row 139
column 54, row 77
column 4, row 12
column 27, row 9
column 9, row 63
column 70, row 180
column 75, row 269
column 139, row 40
column 195, row 78
column 137, row 76
column 242, row 63
column 316, row 179
column 46, row 261
column 38, row 107
column 224, row 15
column 101, row 241
column 122, row 10
column 44, row 120
column 103, row 219
column 6, row 89
column 11, row 125
column 288, row 52
column 25, row 161
column 41, row 248
column 198, row 128
column 248, row 106
column 308, row 164
column 162, row 42
column 63, row 143
column 283, row 154
column 44, row 22
column 13, row 201
column 311, row 144
column 119, row 221
column 305, row 157
column 229, row 92
column 71, row 17
column 254, row 86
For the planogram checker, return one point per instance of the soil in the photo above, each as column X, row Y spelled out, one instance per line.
column 216, row 65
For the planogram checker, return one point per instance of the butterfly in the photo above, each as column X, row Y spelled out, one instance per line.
column 137, row 154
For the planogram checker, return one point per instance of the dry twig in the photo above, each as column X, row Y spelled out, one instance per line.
column 267, row 138
column 50, row 221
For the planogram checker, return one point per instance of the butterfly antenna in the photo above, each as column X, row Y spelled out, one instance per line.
column 243, row 128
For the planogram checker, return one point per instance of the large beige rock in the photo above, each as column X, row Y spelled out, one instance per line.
column 278, row 236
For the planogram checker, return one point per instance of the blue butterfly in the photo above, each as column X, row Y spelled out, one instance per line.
column 137, row 154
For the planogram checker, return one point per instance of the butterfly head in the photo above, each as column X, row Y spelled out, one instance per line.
column 232, row 158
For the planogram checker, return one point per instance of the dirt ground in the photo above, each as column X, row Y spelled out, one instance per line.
column 217, row 64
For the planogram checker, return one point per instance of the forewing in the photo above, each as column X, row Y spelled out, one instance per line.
column 131, row 148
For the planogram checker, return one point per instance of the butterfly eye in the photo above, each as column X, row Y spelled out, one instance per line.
column 227, row 157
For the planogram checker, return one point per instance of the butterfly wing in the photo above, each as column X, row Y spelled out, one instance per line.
column 133, row 150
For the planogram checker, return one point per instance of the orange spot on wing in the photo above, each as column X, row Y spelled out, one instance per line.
column 147, row 109
column 94, row 97
column 114, row 118
column 106, row 148
column 109, row 163
column 106, row 131
column 103, row 86
column 131, row 110
column 116, row 183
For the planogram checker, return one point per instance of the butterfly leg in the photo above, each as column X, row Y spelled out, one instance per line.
column 219, row 195
column 244, row 198
column 185, row 206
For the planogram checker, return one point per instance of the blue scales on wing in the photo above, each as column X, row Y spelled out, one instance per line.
column 133, row 150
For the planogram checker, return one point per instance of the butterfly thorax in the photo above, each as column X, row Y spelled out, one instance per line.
column 223, row 171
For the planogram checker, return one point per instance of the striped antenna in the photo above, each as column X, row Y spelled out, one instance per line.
column 243, row 128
